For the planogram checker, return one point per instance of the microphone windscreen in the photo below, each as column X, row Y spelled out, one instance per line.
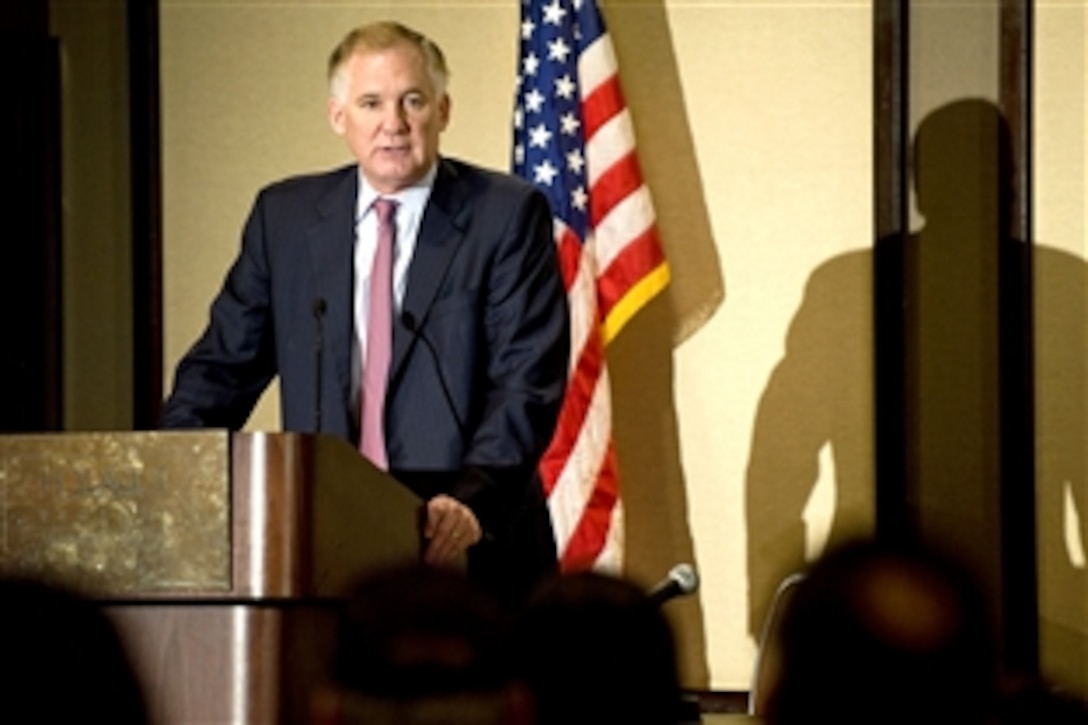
column 686, row 577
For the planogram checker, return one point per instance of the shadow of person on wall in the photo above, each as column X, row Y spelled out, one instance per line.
column 960, row 337
column 1061, row 484
column 640, row 359
column 819, row 396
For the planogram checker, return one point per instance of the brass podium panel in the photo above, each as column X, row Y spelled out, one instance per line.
column 219, row 555
column 118, row 513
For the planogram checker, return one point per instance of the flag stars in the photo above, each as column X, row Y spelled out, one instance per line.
column 544, row 173
column 531, row 64
column 528, row 27
column 534, row 101
column 579, row 199
column 539, row 136
column 558, row 50
column 565, row 87
column 575, row 161
column 519, row 154
column 569, row 124
column 553, row 13
column 519, row 118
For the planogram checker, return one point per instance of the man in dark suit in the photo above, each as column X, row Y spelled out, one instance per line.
column 480, row 332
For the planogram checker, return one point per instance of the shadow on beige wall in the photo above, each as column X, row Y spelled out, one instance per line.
column 1061, row 486
column 819, row 395
column 641, row 358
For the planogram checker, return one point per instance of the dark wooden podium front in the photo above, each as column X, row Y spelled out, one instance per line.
column 218, row 555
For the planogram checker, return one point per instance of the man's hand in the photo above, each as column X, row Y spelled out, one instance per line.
column 450, row 528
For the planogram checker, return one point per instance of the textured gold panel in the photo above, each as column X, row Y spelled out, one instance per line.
column 118, row 514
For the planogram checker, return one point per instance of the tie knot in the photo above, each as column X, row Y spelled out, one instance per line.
column 385, row 208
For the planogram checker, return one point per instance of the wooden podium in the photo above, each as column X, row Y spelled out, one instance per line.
column 219, row 555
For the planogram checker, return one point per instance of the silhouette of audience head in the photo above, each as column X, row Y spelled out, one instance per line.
column 419, row 645
column 592, row 648
column 877, row 634
column 64, row 661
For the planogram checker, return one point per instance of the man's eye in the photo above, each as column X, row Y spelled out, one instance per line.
column 368, row 103
column 415, row 102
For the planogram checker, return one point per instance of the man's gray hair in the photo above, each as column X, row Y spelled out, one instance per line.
column 383, row 36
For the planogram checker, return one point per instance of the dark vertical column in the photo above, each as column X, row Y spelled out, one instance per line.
column 954, row 332
column 1016, row 344
column 30, row 264
column 143, row 29
column 891, row 145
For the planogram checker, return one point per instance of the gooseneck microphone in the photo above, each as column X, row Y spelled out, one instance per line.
column 681, row 581
column 409, row 321
column 319, row 308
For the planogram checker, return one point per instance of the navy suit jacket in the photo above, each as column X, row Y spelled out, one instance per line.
column 480, row 352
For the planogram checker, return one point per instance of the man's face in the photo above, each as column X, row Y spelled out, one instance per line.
column 390, row 115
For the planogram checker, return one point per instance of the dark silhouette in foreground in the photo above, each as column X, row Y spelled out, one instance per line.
column 64, row 661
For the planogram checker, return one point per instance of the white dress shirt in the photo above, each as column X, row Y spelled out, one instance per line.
column 411, row 203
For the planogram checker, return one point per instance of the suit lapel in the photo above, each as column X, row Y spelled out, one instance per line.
column 331, row 241
column 440, row 235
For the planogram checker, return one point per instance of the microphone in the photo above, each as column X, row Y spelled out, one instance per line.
column 681, row 581
column 409, row 321
column 319, row 307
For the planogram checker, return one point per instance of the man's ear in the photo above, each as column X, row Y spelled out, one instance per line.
column 444, row 111
column 336, row 111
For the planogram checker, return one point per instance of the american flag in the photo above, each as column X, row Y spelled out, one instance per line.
column 574, row 140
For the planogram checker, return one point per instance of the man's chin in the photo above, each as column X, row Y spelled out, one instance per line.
column 390, row 179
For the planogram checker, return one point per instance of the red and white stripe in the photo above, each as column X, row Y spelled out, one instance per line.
column 608, row 277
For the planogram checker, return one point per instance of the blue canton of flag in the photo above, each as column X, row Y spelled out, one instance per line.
column 549, row 140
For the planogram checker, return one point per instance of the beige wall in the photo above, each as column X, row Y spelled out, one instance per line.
column 754, row 126
column 1061, row 321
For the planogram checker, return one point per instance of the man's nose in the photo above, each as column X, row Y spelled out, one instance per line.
column 394, row 120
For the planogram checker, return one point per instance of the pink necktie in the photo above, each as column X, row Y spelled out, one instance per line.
column 379, row 334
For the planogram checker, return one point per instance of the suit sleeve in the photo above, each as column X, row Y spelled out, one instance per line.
column 527, row 331
column 220, row 379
